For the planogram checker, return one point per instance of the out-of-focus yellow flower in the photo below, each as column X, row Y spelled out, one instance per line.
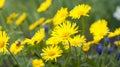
column 44, row 6
column 64, row 30
column 11, row 17
column 77, row 41
column 38, row 63
column 37, row 38
column 16, row 47
column 51, row 53
column 117, row 43
column 2, row 2
column 86, row 47
column 3, row 41
column 47, row 22
column 80, row 10
column 60, row 16
column 115, row 33
column 21, row 19
column 52, row 41
column 35, row 24
column 99, row 29
column 0, row 27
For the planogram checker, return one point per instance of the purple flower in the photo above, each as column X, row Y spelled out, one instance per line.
column 99, row 48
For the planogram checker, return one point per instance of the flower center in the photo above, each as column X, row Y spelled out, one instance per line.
column 51, row 53
column 1, row 44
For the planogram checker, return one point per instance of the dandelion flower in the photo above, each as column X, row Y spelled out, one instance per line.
column 77, row 41
column 21, row 19
column 44, row 6
column 115, row 33
column 60, row 16
column 35, row 24
column 64, row 30
column 16, row 47
column 80, row 10
column 99, row 29
column 2, row 2
column 3, row 41
column 11, row 17
column 38, row 37
column 38, row 63
column 86, row 47
column 51, row 53
column 117, row 42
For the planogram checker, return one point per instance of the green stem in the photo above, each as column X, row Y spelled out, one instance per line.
column 13, row 57
column 68, row 58
column 83, row 26
column 77, row 58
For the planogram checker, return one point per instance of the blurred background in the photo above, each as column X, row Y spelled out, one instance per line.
column 101, row 9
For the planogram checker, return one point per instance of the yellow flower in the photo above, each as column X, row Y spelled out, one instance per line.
column 117, row 42
column 21, row 19
column 77, row 41
column 38, row 37
column 60, row 16
column 44, row 6
column 2, row 2
column 52, row 41
column 3, row 41
column 16, row 47
column 38, row 63
column 64, row 30
column 80, row 10
column 115, row 33
column 99, row 29
column 11, row 17
column 85, row 47
column 51, row 53
column 47, row 22
column 35, row 24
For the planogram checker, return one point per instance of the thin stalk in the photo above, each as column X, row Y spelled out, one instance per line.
column 77, row 59
column 68, row 58
column 13, row 56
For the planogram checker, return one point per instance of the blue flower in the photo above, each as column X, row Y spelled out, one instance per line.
column 107, row 40
column 46, row 28
column 118, row 56
column 99, row 48
column 110, row 50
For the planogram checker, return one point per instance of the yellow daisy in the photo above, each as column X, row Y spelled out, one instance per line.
column 80, row 10
column 20, row 19
column 3, row 41
column 38, row 37
column 117, row 43
column 60, row 16
column 35, row 24
column 38, row 63
column 16, row 47
column 2, row 2
column 44, row 6
column 64, row 30
column 11, row 17
column 77, row 41
column 115, row 33
column 51, row 53
column 99, row 29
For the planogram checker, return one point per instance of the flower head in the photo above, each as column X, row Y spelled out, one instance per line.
column 37, row 23
column 64, row 31
column 77, row 41
column 21, row 19
column 38, row 63
column 3, row 41
column 2, row 2
column 51, row 53
column 60, row 16
column 115, row 33
column 16, row 47
column 11, row 17
column 37, row 38
column 80, row 10
column 44, row 6
column 99, row 29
